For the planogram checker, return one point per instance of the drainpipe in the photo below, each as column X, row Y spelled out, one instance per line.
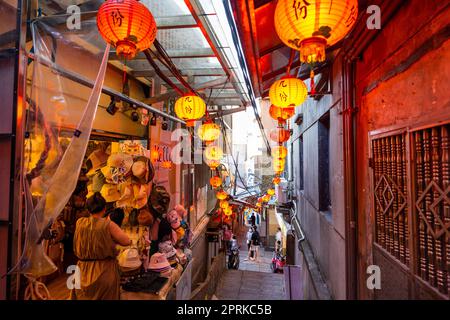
column 348, row 99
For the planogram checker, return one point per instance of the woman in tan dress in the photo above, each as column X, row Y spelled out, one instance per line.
column 94, row 244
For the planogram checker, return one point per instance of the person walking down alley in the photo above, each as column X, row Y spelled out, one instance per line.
column 94, row 245
column 253, row 220
column 278, row 240
column 249, row 238
column 255, row 243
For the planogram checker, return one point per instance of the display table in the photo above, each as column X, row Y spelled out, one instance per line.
column 162, row 295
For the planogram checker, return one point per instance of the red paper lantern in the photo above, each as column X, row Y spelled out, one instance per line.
column 281, row 114
column 215, row 181
column 127, row 25
column 280, row 135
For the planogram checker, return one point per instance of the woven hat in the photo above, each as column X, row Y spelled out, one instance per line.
column 110, row 192
column 127, row 196
column 129, row 260
column 142, row 169
column 96, row 160
column 98, row 181
column 158, row 262
column 117, row 167
column 159, row 200
column 167, row 248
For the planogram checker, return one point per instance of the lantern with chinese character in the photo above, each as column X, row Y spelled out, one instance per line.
column 278, row 165
column 213, row 153
column 276, row 180
column 279, row 152
column 221, row 195
column 288, row 92
column 209, row 132
column 281, row 114
column 190, row 108
column 270, row 192
column 311, row 25
column 280, row 135
column 127, row 25
column 215, row 181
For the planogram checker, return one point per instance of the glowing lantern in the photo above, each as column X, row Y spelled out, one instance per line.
column 260, row 200
column 278, row 165
column 281, row 114
column 280, row 135
column 276, row 180
column 266, row 198
column 311, row 25
column 212, row 164
column 213, row 153
column 127, row 25
column 190, row 108
column 154, row 154
column 258, row 205
column 224, row 204
column 228, row 211
column 270, row 192
column 288, row 92
column 209, row 132
column 166, row 164
column 279, row 152
column 215, row 181
column 221, row 195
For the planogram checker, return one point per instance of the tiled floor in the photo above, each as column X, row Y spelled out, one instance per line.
column 253, row 281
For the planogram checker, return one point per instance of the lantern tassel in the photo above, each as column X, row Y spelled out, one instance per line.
column 313, row 87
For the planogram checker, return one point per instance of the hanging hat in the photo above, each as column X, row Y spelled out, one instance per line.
column 127, row 196
column 129, row 260
column 95, row 161
column 132, row 147
column 167, row 248
column 141, row 193
column 159, row 200
column 110, row 192
column 159, row 263
column 173, row 218
column 143, row 170
column 90, row 191
column 98, row 181
column 118, row 166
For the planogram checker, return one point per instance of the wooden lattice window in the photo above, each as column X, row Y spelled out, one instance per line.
column 431, row 170
column 390, row 195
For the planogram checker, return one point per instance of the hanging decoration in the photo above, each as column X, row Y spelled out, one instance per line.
column 224, row 204
column 279, row 152
column 221, row 195
column 288, row 92
column 270, row 192
column 310, row 26
column 209, row 132
column 213, row 153
column 212, row 164
column 266, row 198
column 190, row 108
column 127, row 25
column 276, row 180
column 215, row 182
column 278, row 165
column 281, row 114
column 280, row 135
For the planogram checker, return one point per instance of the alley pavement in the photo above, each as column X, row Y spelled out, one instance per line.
column 254, row 280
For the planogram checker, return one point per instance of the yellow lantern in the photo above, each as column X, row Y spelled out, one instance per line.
column 266, row 198
column 209, row 132
column 213, row 153
column 215, row 181
column 190, row 108
column 258, row 205
column 310, row 25
column 288, row 92
column 279, row 152
column 228, row 211
column 224, row 204
column 212, row 164
column 221, row 195
column 278, row 165
column 270, row 192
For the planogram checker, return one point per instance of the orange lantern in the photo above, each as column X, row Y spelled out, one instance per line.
column 260, row 199
column 280, row 135
column 279, row 152
column 127, row 25
column 224, row 204
column 310, row 25
column 209, row 132
column 228, row 211
column 166, row 164
column 221, row 195
column 213, row 153
column 154, row 154
column 215, row 181
column 258, row 205
column 266, row 198
column 288, row 92
column 190, row 108
column 281, row 114
column 276, row 180
column 270, row 192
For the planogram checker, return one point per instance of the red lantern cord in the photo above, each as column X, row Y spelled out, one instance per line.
column 313, row 87
column 291, row 59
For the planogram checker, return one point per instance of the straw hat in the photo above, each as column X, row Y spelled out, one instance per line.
column 127, row 196
column 110, row 192
column 167, row 248
column 97, row 159
column 141, row 193
column 129, row 260
column 117, row 167
column 159, row 200
column 142, row 170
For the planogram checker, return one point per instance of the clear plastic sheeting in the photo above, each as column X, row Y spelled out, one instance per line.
column 60, row 117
